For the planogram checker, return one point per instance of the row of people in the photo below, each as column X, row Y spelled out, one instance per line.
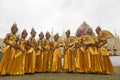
column 83, row 53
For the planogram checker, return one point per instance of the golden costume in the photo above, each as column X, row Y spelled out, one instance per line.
column 47, row 56
column 94, row 63
column 8, row 55
column 56, row 64
column 30, row 57
column 81, row 58
column 104, row 54
column 18, row 63
column 69, row 61
column 39, row 56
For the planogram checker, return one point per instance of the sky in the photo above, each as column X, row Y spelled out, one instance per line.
column 60, row 15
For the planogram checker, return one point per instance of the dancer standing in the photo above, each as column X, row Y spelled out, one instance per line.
column 47, row 52
column 19, row 58
column 69, row 61
column 56, row 64
column 103, row 36
column 9, row 50
column 92, row 51
column 30, row 58
column 40, row 53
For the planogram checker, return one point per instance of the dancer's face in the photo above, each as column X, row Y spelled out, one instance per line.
column 24, row 35
column 14, row 29
column 41, row 36
column 33, row 33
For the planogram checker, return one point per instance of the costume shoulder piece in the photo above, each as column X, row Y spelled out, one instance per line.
column 61, row 41
column 9, row 34
column 95, row 38
column 104, row 35
column 72, row 38
column 87, row 39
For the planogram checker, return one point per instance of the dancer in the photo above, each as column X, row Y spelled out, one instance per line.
column 9, row 50
column 18, row 63
column 47, row 52
column 30, row 59
column 69, row 61
column 103, row 36
column 40, row 53
column 56, row 64
column 92, row 51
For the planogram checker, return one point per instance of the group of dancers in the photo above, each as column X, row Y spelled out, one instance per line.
column 82, row 53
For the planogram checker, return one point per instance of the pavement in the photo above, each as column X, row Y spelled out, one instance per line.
column 115, row 60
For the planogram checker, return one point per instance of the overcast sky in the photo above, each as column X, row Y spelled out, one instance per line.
column 59, row 14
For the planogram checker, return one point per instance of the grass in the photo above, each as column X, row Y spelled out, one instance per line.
column 65, row 76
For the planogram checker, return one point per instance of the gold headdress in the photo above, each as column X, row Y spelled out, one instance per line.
column 14, row 24
column 68, row 31
column 56, row 34
column 33, row 30
column 98, row 27
column 41, row 32
column 24, row 30
column 47, row 33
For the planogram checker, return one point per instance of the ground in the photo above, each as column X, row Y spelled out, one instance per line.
column 65, row 76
